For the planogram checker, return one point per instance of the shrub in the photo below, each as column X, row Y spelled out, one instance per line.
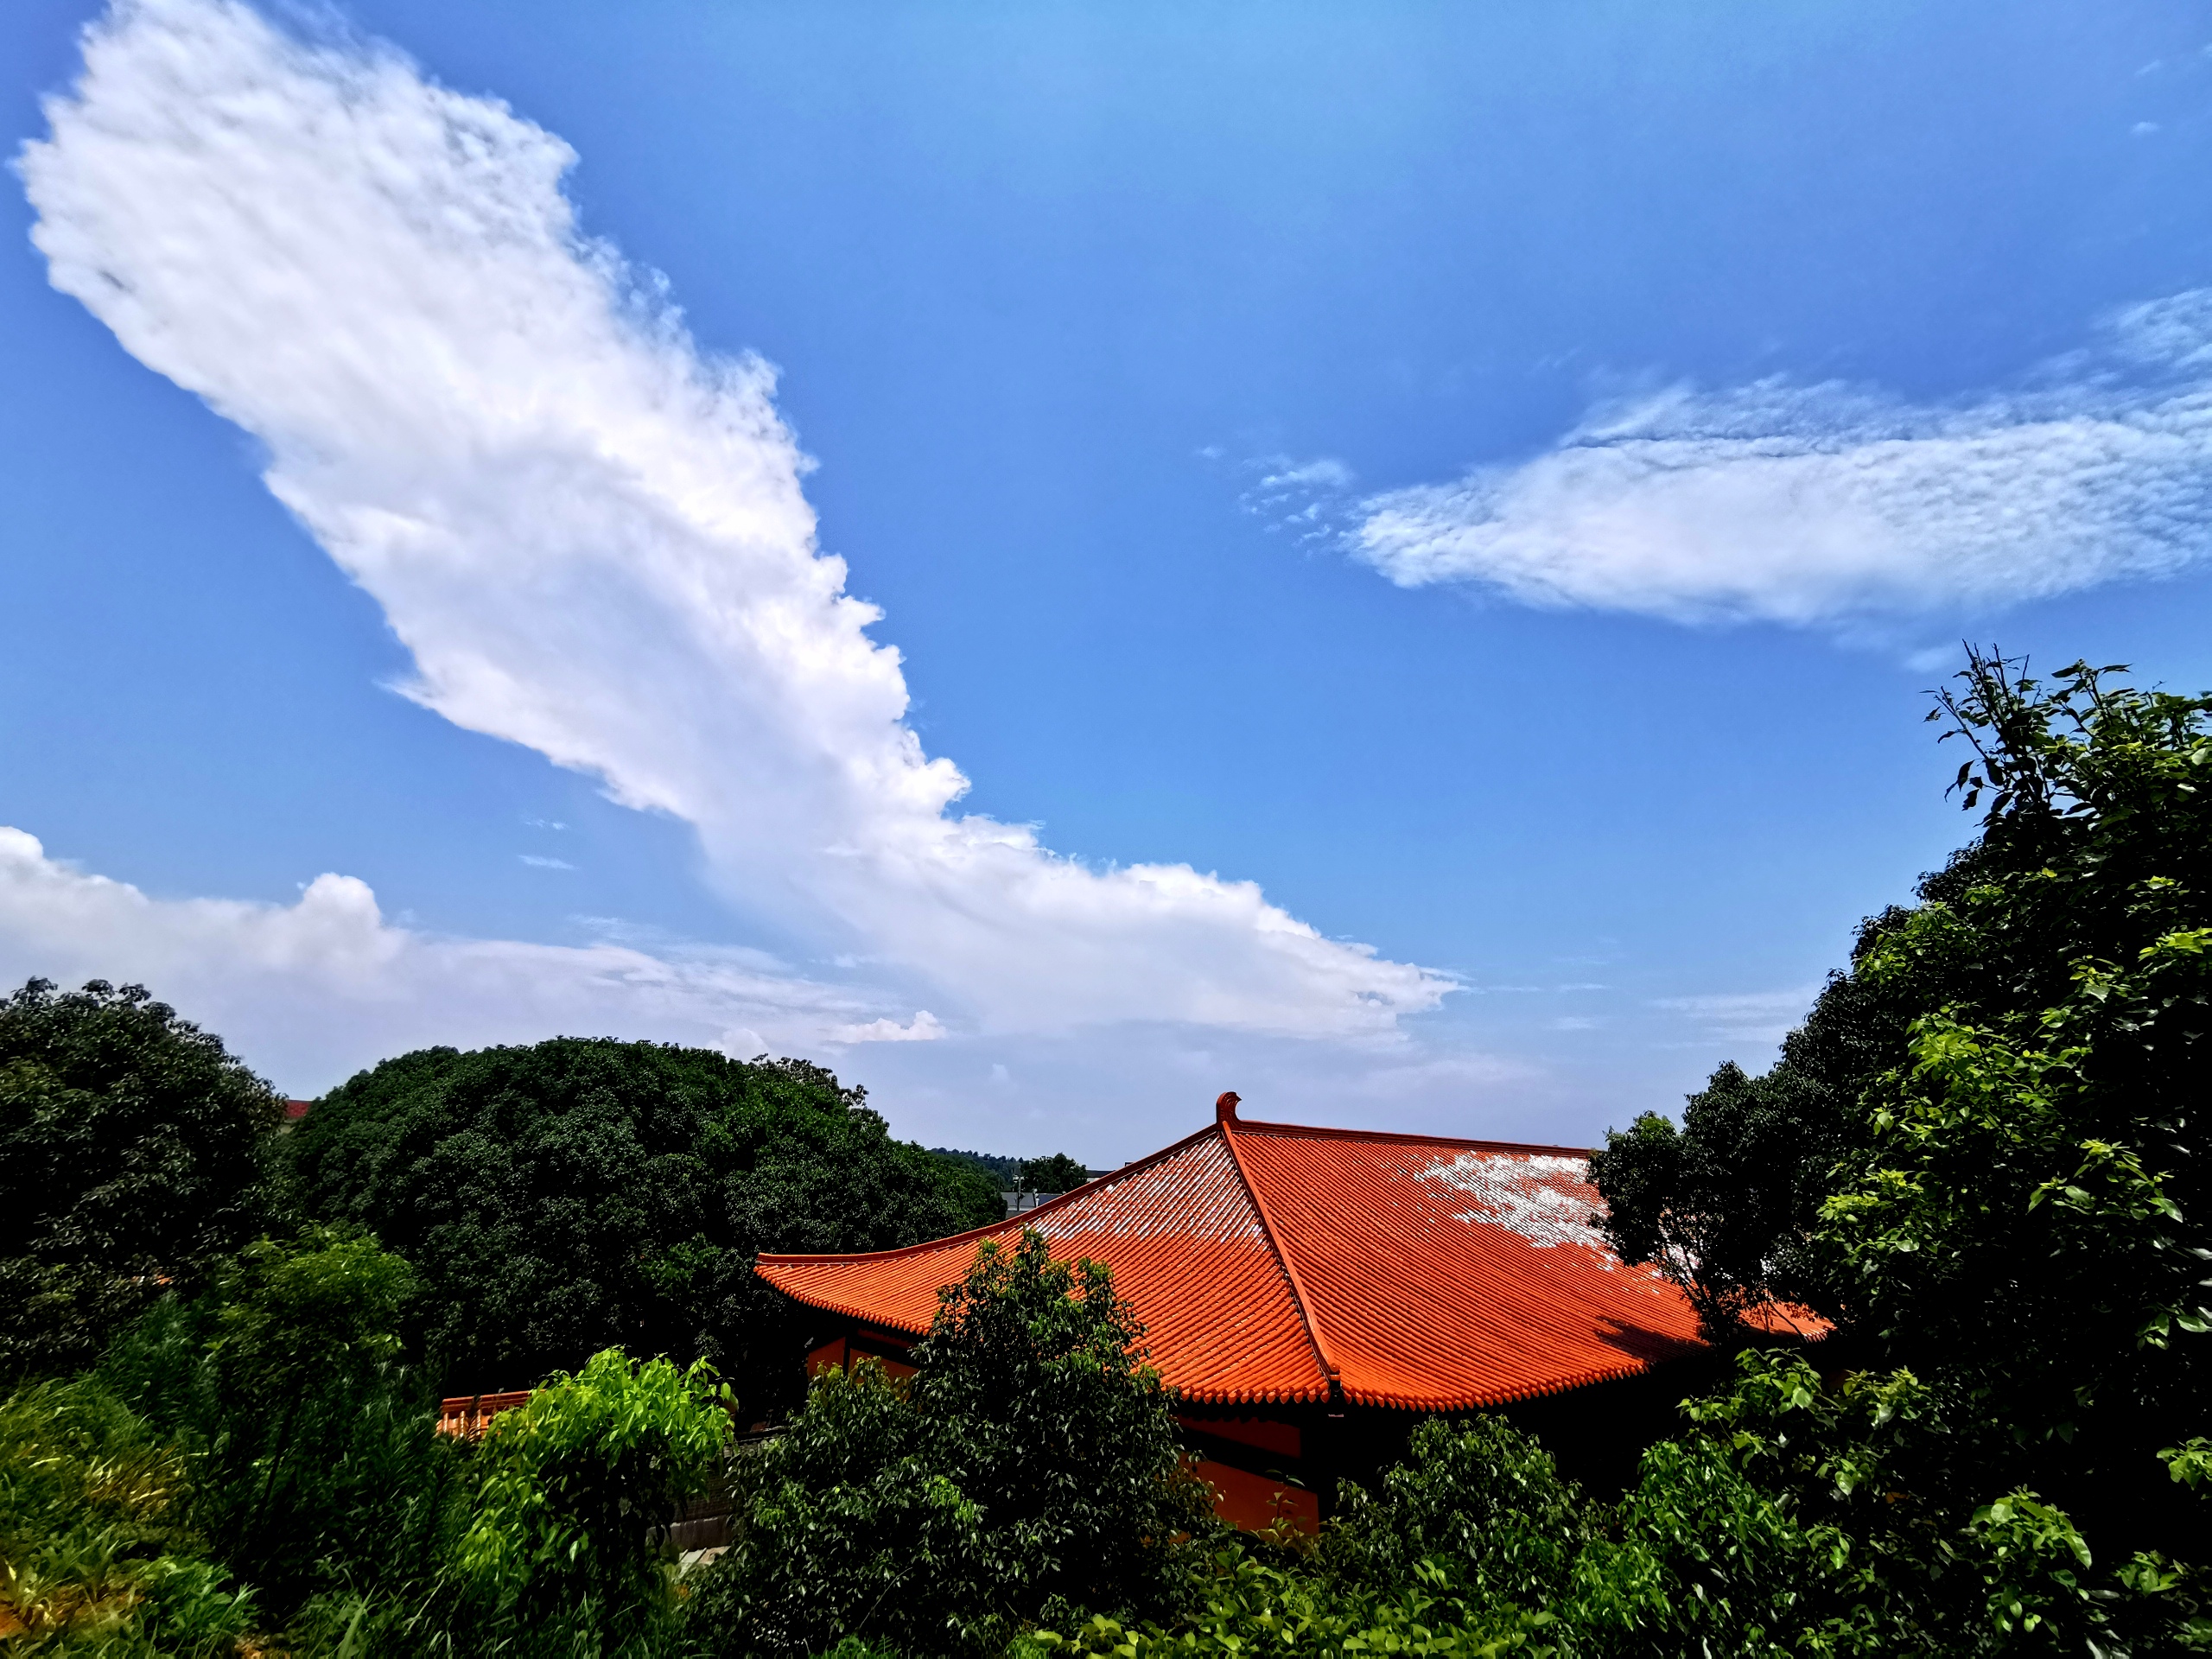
column 318, row 1462
column 560, row 1556
column 1248, row 1605
column 1479, row 1498
column 97, row 1554
column 1788, row 1518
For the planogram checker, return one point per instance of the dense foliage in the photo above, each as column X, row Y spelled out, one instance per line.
column 97, row 1551
column 2095, row 848
column 1005, row 1173
column 2030, row 1223
column 573, row 1492
column 1985, row 1153
column 256, row 1462
column 1772, row 1526
column 578, row 1195
column 1728, row 1203
column 1982, row 1156
column 272, row 1442
column 131, row 1153
column 309, row 1438
column 1029, row 1469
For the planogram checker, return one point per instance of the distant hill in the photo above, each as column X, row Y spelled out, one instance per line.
column 1003, row 1170
column 1007, row 1171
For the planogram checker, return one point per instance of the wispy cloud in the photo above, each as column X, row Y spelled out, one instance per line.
column 590, row 535
column 539, row 861
column 1468, row 1074
column 1305, row 497
column 1763, row 1018
column 1834, row 504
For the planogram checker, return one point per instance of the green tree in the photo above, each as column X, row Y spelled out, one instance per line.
column 1033, row 1380
column 1057, row 1173
column 316, row 1463
column 1983, row 1152
column 577, row 1195
column 576, row 1488
column 1727, row 1204
column 1478, row 1496
column 972, row 1192
column 2029, row 1223
column 2095, row 843
column 1799, row 1516
column 1004, row 1172
column 133, row 1151
column 1029, row 1469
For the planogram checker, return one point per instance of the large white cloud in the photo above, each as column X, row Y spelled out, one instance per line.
column 312, row 990
column 1827, row 503
column 591, row 536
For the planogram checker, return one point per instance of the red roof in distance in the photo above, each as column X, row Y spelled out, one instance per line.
column 1273, row 1263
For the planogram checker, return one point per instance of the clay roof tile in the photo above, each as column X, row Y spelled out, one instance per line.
column 1273, row 1263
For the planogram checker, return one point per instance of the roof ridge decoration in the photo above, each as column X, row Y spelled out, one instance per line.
column 1399, row 1137
column 1225, row 1122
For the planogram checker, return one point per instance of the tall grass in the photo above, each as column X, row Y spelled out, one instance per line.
column 97, row 1553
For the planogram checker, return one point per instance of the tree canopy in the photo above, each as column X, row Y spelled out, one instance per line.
column 580, row 1194
column 1986, row 1152
column 132, row 1152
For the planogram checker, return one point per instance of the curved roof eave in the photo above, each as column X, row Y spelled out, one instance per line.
column 1249, row 1156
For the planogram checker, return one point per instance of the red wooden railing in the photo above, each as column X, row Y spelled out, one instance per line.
column 468, row 1414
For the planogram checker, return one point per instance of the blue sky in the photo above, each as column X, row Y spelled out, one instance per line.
column 1499, row 478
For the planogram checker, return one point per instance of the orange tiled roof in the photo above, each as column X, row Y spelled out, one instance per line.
column 1273, row 1263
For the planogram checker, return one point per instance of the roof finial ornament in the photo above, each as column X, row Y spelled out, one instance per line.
column 1224, row 1108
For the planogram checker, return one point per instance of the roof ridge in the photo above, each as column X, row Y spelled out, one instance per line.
column 989, row 1228
column 1323, row 1132
column 1299, row 1299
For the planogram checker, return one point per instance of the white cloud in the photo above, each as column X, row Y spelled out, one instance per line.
column 1833, row 504
column 1763, row 1018
column 924, row 1027
column 1305, row 497
column 539, row 861
column 591, row 536
column 309, row 992
column 1467, row 1073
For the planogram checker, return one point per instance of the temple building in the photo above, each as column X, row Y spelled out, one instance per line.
column 1310, row 1293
